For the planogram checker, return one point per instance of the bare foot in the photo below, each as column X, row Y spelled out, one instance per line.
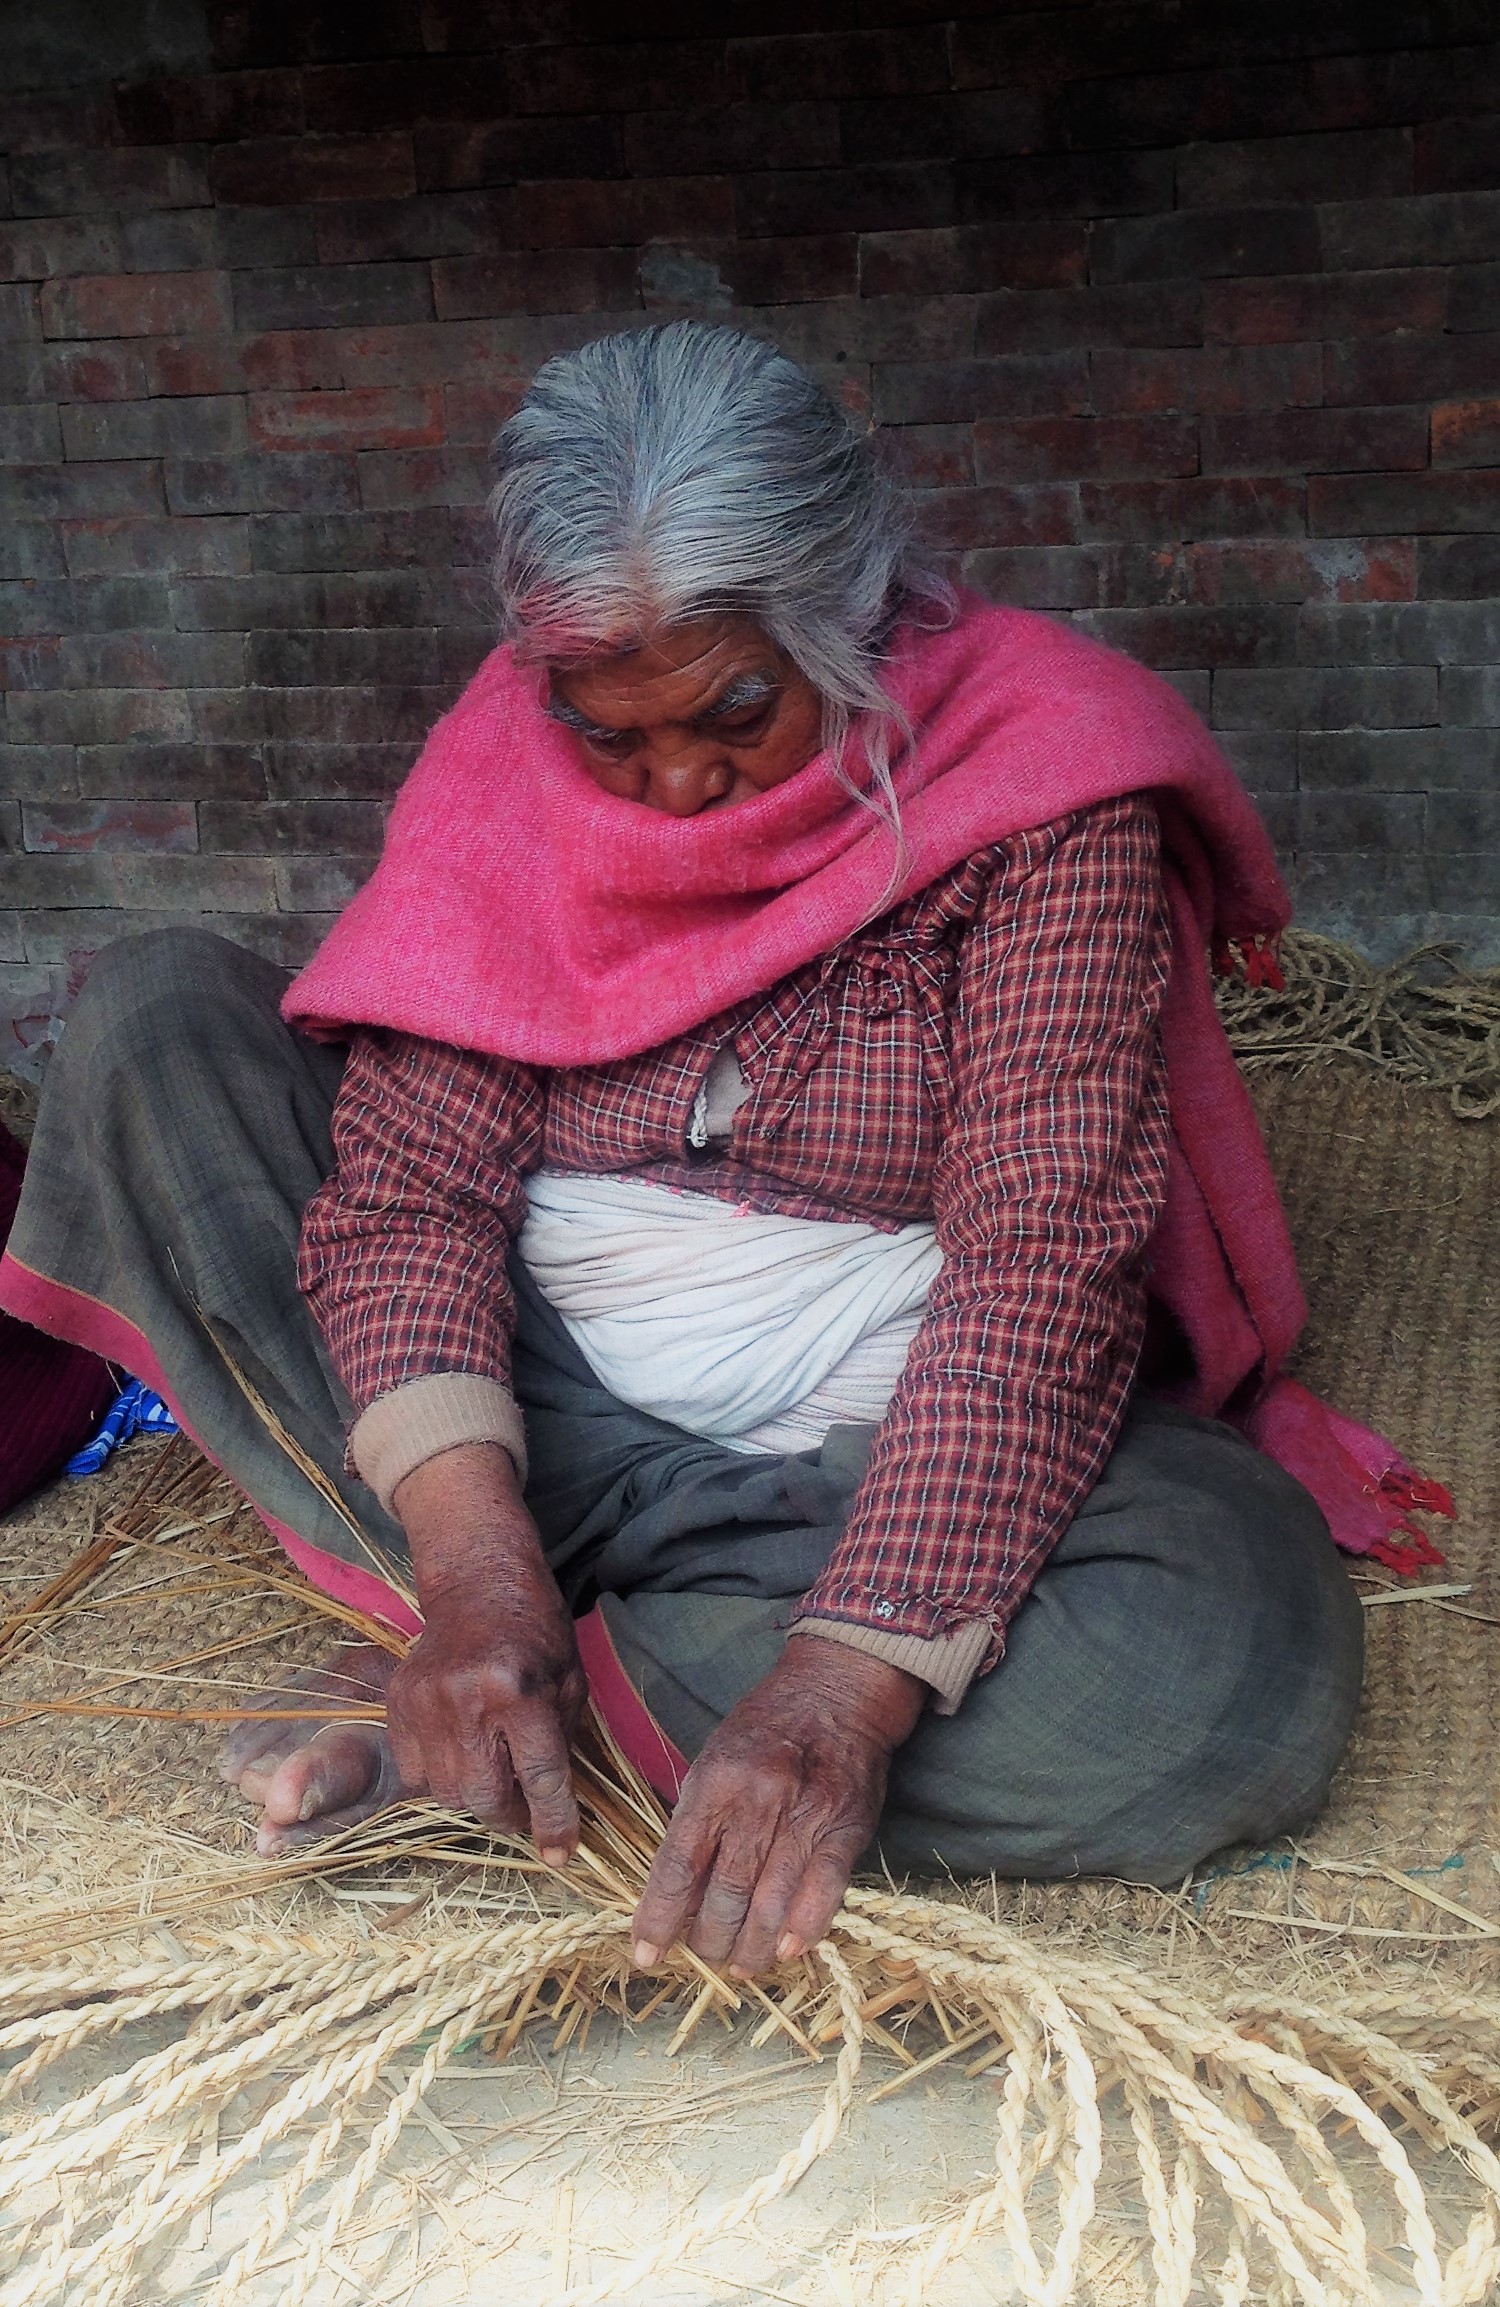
column 313, row 1779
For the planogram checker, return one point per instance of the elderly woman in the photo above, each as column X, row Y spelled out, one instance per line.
column 757, row 1180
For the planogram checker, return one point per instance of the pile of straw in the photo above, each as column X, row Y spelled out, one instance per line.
column 1229, row 2110
column 1426, row 1019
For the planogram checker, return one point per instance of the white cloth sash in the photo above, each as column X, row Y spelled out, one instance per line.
column 756, row 1330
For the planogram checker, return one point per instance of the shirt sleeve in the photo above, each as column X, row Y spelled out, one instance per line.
column 403, row 1250
column 1047, row 1188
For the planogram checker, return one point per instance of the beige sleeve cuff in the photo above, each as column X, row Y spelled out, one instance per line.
column 403, row 1429
column 947, row 1662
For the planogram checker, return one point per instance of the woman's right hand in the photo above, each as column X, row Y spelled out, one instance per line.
column 483, row 1708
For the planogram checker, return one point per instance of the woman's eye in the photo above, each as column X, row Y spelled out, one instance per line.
column 749, row 723
column 613, row 743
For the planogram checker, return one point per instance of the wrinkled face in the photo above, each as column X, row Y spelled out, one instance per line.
column 706, row 714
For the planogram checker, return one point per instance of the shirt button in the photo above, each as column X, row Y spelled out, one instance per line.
column 885, row 1609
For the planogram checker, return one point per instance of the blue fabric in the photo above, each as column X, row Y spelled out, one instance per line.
column 134, row 1410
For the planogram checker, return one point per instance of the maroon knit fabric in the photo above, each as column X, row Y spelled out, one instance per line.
column 52, row 1396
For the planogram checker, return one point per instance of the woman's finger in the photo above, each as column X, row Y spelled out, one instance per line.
column 754, row 1947
column 817, row 1899
column 674, row 1886
column 539, row 1758
column 747, row 1841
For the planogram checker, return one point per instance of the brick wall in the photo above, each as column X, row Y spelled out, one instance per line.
column 1184, row 316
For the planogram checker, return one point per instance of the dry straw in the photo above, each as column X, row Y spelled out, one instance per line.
column 1426, row 1019
column 1229, row 2112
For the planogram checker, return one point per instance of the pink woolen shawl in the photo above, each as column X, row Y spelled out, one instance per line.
column 519, row 910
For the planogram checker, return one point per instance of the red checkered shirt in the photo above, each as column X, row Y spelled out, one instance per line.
column 986, row 1056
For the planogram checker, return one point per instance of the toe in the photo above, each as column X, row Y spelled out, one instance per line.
column 341, row 1768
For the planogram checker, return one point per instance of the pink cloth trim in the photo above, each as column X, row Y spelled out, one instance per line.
column 632, row 1725
column 86, row 1321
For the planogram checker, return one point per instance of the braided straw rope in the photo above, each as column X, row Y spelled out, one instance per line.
column 1425, row 1019
column 1223, row 2107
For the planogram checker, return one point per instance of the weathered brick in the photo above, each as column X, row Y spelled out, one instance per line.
column 38, row 772
column 63, row 828
column 1458, row 820
column 121, row 548
column 115, row 716
column 390, row 479
column 154, row 428
column 1321, row 305
column 454, row 155
column 902, row 61
column 370, row 417
column 1199, row 243
column 1210, row 378
column 1442, row 228
column 1471, row 696
column 1389, row 760
column 45, row 248
column 894, row 196
column 1135, row 313
column 639, row 76
column 53, row 492
column 210, row 108
column 84, row 605
column 251, row 238
column 976, row 124
column 75, row 182
column 812, row 268
column 262, row 482
column 557, row 280
column 361, row 659
column 97, row 372
column 332, row 296
column 439, row 224
column 1361, row 819
column 369, row 771
column 433, row 537
column 135, row 883
column 137, row 304
column 1094, row 448
column 1457, row 155
column 376, row 597
column 171, row 240
column 930, row 456
column 20, row 311
column 955, row 392
column 29, row 434
column 703, row 141
column 1173, row 638
column 145, row 660
column 1403, row 633
column 289, row 360
column 1316, row 440
column 1264, row 759
column 144, row 770
column 1354, row 165
column 1327, row 697
column 958, row 259
column 357, row 98
column 963, row 518
column 273, row 170
column 320, row 884
column 1474, row 297
column 1153, row 510
column 1104, row 184
column 264, row 829
column 1409, row 368
column 1286, row 569
column 1404, row 503
column 1458, row 568
column 30, row 549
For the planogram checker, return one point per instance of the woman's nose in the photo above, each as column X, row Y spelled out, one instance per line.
column 681, row 780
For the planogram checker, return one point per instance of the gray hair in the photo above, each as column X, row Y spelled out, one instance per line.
column 690, row 471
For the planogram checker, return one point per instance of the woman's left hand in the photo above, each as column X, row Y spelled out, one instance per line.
column 777, row 1808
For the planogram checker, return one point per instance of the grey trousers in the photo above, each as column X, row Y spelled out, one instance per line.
column 1183, row 1675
